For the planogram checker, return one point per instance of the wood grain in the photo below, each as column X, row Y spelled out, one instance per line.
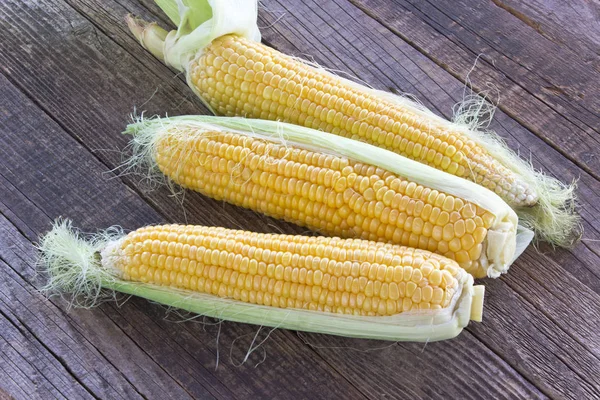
column 545, row 86
column 73, row 74
column 129, row 340
column 574, row 24
column 185, row 353
column 445, row 90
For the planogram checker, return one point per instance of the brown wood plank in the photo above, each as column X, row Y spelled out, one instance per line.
column 556, row 72
column 50, row 174
column 546, row 87
column 95, row 351
column 536, row 345
column 455, row 368
column 567, row 303
column 5, row 395
column 282, row 366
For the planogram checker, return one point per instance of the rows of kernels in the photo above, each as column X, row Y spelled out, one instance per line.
column 239, row 77
column 324, row 192
column 350, row 276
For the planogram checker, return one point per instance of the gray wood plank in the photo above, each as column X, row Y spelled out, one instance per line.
column 573, row 24
column 343, row 44
column 322, row 37
column 4, row 395
column 138, row 76
column 536, row 345
column 109, row 88
column 50, row 174
column 53, row 171
column 546, row 86
column 24, row 364
column 27, row 368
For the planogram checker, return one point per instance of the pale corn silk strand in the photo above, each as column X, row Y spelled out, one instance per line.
column 180, row 134
column 70, row 260
column 73, row 265
column 553, row 218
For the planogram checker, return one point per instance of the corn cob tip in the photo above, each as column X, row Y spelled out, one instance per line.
column 140, row 154
column 544, row 204
column 93, row 268
column 73, row 264
column 554, row 219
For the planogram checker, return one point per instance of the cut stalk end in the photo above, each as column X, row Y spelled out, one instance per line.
column 477, row 303
column 92, row 268
column 198, row 22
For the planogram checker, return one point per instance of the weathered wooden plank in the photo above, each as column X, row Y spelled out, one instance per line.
column 572, row 306
column 88, row 128
column 536, row 346
column 560, row 105
column 5, row 395
column 101, row 365
column 325, row 34
column 352, row 23
column 380, row 369
column 61, row 177
column 26, row 368
column 203, row 345
column 54, row 170
column 573, row 24
column 553, row 71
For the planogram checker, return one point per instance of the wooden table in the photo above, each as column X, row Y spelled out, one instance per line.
column 71, row 74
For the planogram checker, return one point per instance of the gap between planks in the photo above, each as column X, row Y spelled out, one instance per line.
column 456, row 75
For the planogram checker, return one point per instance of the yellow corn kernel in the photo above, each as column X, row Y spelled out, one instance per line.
column 316, row 99
column 329, row 282
column 302, row 186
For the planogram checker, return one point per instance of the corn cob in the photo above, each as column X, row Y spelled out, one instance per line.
column 347, row 287
column 236, row 75
column 336, row 192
